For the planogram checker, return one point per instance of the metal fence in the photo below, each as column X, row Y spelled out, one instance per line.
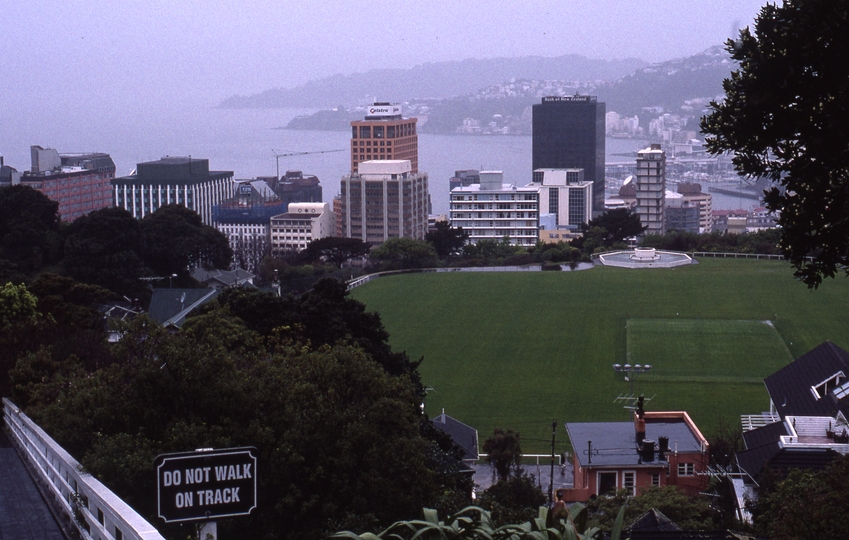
column 96, row 512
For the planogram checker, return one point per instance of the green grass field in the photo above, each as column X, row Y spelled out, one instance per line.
column 519, row 350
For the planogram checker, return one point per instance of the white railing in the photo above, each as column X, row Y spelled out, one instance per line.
column 92, row 508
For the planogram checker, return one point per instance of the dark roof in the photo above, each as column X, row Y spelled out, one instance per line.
column 223, row 278
column 171, row 306
column 615, row 443
column 173, row 170
column 767, row 434
column 464, row 435
column 781, row 460
column 654, row 521
column 790, row 387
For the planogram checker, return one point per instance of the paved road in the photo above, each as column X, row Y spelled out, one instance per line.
column 23, row 513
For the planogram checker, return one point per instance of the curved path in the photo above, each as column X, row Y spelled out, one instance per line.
column 24, row 514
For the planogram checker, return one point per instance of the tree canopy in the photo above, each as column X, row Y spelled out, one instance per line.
column 504, row 450
column 29, row 228
column 806, row 504
column 176, row 239
column 784, row 116
column 615, row 226
column 335, row 250
column 447, row 240
column 404, row 253
column 310, row 381
column 105, row 248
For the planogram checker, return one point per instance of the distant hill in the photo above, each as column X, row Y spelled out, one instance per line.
column 683, row 86
column 434, row 80
column 669, row 84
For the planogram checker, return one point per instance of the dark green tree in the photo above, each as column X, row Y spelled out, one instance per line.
column 404, row 253
column 29, row 229
column 618, row 225
column 175, row 240
column 105, row 248
column 784, row 117
column 447, row 240
column 20, row 324
column 806, row 504
column 689, row 513
column 513, row 500
column 338, row 437
column 504, row 452
column 335, row 250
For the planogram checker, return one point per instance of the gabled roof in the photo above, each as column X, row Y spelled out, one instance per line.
column 654, row 521
column 222, row 278
column 781, row 460
column 790, row 388
column 464, row 435
column 171, row 306
column 766, row 435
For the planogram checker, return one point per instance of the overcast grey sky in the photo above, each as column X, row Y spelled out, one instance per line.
column 179, row 50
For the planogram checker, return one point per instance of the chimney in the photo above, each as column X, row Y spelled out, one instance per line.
column 663, row 447
column 640, row 426
column 647, row 450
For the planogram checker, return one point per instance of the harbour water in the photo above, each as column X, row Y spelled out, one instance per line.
column 245, row 142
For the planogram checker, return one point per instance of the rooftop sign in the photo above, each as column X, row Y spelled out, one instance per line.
column 201, row 485
column 383, row 110
column 553, row 99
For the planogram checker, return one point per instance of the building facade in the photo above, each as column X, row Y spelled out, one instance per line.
column 493, row 210
column 301, row 224
column 173, row 180
column 651, row 189
column 80, row 183
column 244, row 220
column 692, row 193
column 564, row 195
column 568, row 132
column 384, row 135
column 385, row 199
column 295, row 186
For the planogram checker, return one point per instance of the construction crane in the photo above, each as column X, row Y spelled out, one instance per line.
column 278, row 156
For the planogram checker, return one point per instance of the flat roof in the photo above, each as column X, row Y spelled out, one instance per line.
column 615, row 443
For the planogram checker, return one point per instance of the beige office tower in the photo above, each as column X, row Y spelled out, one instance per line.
column 651, row 188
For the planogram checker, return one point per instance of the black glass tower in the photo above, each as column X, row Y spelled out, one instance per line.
column 568, row 132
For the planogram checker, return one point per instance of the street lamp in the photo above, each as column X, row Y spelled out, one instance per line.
column 172, row 276
column 631, row 372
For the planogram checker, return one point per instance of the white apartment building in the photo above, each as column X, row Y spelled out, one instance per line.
column 565, row 198
column 301, row 224
column 651, row 188
column 493, row 210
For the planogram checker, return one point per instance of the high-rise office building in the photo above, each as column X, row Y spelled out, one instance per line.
column 384, row 199
column 384, row 135
column 173, row 180
column 651, row 188
column 568, row 132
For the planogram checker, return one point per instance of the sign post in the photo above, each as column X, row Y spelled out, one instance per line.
column 206, row 484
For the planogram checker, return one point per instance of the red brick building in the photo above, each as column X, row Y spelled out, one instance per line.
column 80, row 183
column 656, row 449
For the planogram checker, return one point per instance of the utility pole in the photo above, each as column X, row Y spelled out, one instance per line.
column 551, row 481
